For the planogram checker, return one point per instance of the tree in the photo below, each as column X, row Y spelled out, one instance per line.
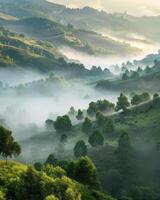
column 51, row 160
column 49, row 124
column 136, row 99
column 72, row 111
column 96, row 139
column 87, row 126
column 51, row 197
column 155, row 96
column 109, row 127
column 54, row 172
column 86, row 172
column 145, row 96
column 124, row 155
column 63, row 124
column 38, row 166
column 122, row 103
column 80, row 149
column 80, row 115
column 101, row 119
column 8, row 146
column 139, row 98
column 92, row 110
column 135, row 75
column 125, row 76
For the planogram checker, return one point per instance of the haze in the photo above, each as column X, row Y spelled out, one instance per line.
column 134, row 7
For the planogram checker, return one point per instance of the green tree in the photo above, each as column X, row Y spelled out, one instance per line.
column 87, row 126
column 136, row 99
column 51, row 197
column 51, row 160
column 80, row 149
column 80, row 115
column 38, row 166
column 92, row 110
column 86, row 172
column 125, row 76
column 8, row 146
column 122, row 103
column 49, row 124
column 63, row 124
column 100, row 119
column 96, row 139
column 72, row 111
column 109, row 127
column 124, row 155
column 54, row 172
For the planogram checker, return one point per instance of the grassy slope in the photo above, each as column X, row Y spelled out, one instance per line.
column 60, row 35
column 141, row 123
column 17, row 51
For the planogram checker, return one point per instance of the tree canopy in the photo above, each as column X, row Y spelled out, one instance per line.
column 8, row 146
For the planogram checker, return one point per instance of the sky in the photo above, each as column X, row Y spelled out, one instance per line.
column 134, row 7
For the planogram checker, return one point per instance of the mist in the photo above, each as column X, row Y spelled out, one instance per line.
column 108, row 61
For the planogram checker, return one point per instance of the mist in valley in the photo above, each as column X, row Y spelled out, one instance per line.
column 24, row 110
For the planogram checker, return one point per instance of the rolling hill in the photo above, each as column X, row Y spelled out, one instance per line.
column 47, row 18
column 145, row 80
column 81, row 40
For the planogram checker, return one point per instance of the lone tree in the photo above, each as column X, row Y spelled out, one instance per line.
column 80, row 115
column 80, row 149
column 63, row 124
column 96, row 139
column 8, row 146
column 87, row 126
column 122, row 103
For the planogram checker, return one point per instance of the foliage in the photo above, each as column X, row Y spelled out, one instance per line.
column 51, row 197
column 49, row 124
column 137, row 99
column 87, row 126
column 80, row 115
column 124, row 155
column 8, row 146
column 72, row 111
column 99, row 106
column 101, row 119
column 63, row 124
column 54, row 172
column 51, row 160
column 96, row 139
column 80, row 149
column 84, row 171
column 38, row 166
column 109, row 127
column 122, row 103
